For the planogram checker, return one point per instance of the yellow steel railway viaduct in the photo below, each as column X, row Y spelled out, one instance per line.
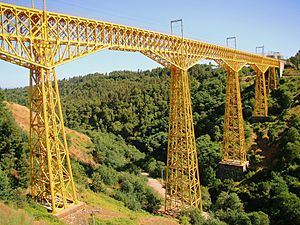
column 40, row 40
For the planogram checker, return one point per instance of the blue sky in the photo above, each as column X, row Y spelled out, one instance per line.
column 272, row 23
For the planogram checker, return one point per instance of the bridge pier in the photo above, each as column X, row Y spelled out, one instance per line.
column 272, row 79
column 261, row 96
column 51, row 175
column 182, row 173
column 234, row 158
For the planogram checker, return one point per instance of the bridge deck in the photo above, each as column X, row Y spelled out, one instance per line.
column 23, row 30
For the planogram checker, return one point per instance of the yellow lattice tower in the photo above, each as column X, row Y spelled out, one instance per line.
column 234, row 146
column 40, row 41
column 261, row 95
column 182, row 177
column 272, row 79
column 51, row 174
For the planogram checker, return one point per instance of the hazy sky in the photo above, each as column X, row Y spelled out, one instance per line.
column 272, row 23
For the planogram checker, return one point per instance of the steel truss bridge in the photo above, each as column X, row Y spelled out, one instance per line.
column 40, row 41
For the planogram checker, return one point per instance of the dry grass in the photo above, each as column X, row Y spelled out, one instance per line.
column 157, row 221
column 81, row 144
column 290, row 72
column 10, row 216
column 295, row 110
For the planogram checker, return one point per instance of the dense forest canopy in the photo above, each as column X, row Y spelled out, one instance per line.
column 126, row 115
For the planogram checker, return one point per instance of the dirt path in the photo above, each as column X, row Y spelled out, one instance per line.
column 155, row 185
column 157, row 221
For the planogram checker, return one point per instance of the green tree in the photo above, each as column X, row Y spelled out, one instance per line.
column 229, row 201
column 206, row 200
column 286, row 208
column 259, row 218
column 97, row 184
column 295, row 60
column 5, row 187
column 209, row 154
column 193, row 215
column 229, row 208
column 13, row 158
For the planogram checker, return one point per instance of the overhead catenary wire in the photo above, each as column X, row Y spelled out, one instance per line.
column 111, row 15
column 115, row 14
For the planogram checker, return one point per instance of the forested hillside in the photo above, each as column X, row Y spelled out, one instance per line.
column 126, row 115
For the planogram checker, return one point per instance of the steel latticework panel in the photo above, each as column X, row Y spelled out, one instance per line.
column 182, row 179
column 261, row 95
column 73, row 37
column 52, row 181
column 272, row 79
column 234, row 148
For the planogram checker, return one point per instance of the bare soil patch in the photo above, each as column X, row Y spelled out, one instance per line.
column 80, row 142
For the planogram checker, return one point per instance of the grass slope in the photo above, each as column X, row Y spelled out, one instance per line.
column 110, row 212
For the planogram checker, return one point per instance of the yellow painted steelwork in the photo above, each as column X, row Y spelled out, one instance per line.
column 182, row 175
column 261, row 95
column 234, row 146
column 74, row 37
column 272, row 79
column 51, row 174
column 41, row 40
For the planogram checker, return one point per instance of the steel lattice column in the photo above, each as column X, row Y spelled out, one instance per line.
column 182, row 174
column 51, row 174
column 261, row 101
column 272, row 79
column 234, row 147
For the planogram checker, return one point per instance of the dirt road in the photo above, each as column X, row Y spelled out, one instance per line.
column 155, row 184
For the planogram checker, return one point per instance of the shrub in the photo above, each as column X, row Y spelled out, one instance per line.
column 206, row 200
column 108, row 175
column 129, row 200
column 155, row 168
column 193, row 215
column 135, row 187
column 97, row 184
column 259, row 218
column 227, row 201
column 5, row 187
column 286, row 208
column 153, row 201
